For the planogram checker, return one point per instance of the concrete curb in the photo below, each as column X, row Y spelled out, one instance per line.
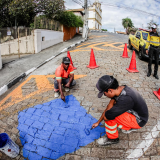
column 23, row 75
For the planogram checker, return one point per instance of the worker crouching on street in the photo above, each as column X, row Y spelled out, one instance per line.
column 64, row 75
column 126, row 110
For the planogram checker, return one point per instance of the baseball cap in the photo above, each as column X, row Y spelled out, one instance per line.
column 103, row 84
column 154, row 26
column 66, row 60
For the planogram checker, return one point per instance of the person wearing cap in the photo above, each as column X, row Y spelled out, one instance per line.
column 64, row 75
column 126, row 110
column 153, row 50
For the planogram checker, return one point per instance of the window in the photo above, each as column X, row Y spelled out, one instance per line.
column 144, row 35
column 138, row 35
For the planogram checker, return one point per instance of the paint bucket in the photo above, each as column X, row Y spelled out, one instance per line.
column 7, row 146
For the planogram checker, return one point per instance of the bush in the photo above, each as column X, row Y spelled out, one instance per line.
column 69, row 19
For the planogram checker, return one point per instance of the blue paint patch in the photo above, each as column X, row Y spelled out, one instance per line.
column 50, row 130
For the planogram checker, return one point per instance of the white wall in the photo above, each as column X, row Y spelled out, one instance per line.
column 50, row 38
column 32, row 43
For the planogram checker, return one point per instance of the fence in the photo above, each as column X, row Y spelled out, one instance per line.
column 17, row 41
column 44, row 23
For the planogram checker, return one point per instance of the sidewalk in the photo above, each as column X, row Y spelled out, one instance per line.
column 13, row 66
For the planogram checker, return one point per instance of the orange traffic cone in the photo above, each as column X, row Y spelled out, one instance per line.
column 132, row 67
column 69, row 56
column 125, row 53
column 157, row 93
column 92, row 63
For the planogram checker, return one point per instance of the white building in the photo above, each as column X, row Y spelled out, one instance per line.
column 94, row 15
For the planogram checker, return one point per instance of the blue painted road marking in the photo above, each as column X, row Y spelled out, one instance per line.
column 50, row 130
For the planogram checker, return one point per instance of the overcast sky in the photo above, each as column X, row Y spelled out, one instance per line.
column 112, row 16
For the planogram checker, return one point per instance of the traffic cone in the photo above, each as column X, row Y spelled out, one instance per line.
column 69, row 56
column 157, row 93
column 132, row 67
column 92, row 63
column 125, row 53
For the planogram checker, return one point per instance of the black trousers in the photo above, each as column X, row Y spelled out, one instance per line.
column 153, row 52
column 64, row 82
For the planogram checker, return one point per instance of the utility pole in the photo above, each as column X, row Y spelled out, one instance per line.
column 85, row 25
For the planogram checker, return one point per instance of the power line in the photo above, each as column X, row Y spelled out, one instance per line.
column 126, row 7
column 77, row 2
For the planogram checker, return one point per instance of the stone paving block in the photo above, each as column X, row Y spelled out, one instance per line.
column 44, row 119
column 21, row 114
column 47, row 104
column 39, row 142
column 66, row 125
column 71, row 141
column 25, row 153
column 63, row 117
column 42, row 134
column 54, row 116
column 53, row 146
column 34, row 156
column 23, row 127
column 30, row 147
column 46, row 114
column 37, row 124
column 48, row 127
column 23, row 141
column 72, row 119
column 30, row 110
column 34, row 117
column 39, row 106
column 68, row 149
column 32, row 131
column 44, row 152
column 59, row 130
column 22, row 134
column 47, row 108
column 56, row 155
column 38, row 112
column 22, row 119
column 29, row 122
column 28, row 115
column 28, row 138
column 85, row 120
column 56, row 138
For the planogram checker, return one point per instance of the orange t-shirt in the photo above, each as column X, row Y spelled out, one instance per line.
column 62, row 73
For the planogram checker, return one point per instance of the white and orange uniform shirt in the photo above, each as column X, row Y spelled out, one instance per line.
column 61, row 73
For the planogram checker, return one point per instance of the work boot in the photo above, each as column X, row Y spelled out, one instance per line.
column 128, row 131
column 56, row 94
column 106, row 141
column 148, row 74
column 66, row 89
column 156, row 76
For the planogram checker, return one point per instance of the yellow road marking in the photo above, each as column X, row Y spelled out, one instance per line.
column 42, row 83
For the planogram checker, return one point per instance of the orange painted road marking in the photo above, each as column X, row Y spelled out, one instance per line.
column 42, row 83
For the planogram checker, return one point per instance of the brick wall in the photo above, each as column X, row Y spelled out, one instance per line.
column 69, row 32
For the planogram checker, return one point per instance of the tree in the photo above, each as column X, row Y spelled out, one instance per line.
column 23, row 11
column 50, row 8
column 69, row 19
column 6, row 18
column 127, row 23
column 151, row 23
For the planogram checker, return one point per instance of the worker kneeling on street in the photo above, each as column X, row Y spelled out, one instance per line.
column 64, row 75
column 126, row 110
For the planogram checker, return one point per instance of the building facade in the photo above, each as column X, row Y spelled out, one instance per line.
column 95, row 16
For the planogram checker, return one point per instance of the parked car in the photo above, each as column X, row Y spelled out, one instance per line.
column 140, row 42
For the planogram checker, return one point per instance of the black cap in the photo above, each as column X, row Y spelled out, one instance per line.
column 103, row 84
column 66, row 60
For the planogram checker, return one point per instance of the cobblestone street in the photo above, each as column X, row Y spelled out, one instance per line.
column 38, row 89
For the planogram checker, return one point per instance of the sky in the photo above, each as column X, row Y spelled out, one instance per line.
column 112, row 16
